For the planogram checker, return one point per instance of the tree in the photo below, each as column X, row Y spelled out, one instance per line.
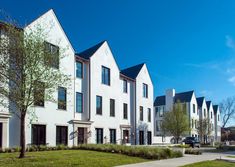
column 203, row 129
column 227, row 109
column 27, row 76
column 175, row 122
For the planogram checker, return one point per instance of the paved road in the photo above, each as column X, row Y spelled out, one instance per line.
column 187, row 159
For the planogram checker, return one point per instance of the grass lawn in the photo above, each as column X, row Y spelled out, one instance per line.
column 231, row 156
column 215, row 163
column 67, row 158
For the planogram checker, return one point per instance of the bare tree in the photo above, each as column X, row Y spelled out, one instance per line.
column 29, row 72
column 203, row 129
column 175, row 122
column 227, row 109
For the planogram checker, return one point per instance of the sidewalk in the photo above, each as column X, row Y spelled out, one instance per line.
column 187, row 159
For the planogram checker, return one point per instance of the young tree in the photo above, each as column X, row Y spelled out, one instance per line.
column 29, row 72
column 227, row 109
column 176, row 122
column 203, row 129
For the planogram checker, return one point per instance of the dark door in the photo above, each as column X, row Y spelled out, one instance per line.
column 141, row 137
column 39, row 134
column 149, row 136
column 1, row 135
column 61, row 135
column 82, row 137
column 125, row 136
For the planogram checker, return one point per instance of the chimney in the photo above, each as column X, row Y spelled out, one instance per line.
column 170, row 94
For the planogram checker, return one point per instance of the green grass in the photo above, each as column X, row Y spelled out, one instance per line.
column 67, row 158
column 231, row 156
column 215, row 163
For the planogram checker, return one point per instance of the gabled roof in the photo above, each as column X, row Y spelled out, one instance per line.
column 215, row 108
column 184, row 96
column 160, row 101
column 132, row 72
column 86, row 54
column 208, row 103
column 200, row 101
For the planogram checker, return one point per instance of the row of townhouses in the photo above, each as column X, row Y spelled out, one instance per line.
column 196, row 108
column 104, row 104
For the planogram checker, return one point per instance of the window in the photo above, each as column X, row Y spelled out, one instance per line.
column 141, row 113
column 99, row 135
column 161, row 111
column 125, row 113
column 79, row 102
column 61, row 135
column 62, row 98
column 39, row 135
column 211, row 115
column 204, row 112
column 194, row 108
column 157, row 126
column 99, row 105
column 105, row 75
column 51, row 55
column 79, row 69
column 112, row 107
column 218, row 117
column 125, row 86
column 112, row 136
column 39, row 94
column 145, row 90
column 149, row 114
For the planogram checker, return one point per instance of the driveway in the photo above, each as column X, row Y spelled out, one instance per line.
column 187, row 159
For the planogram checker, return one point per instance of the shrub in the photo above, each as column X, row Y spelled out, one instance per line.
column 192, row 151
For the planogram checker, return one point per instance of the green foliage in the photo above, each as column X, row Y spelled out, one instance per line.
column 203, row 128
column 193, row 151
column 226, row 148
column 175, row 122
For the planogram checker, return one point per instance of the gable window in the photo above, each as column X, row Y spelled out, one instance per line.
column 61, row 135
column 99, row 105
column 105, row 75
column 218, row 117
column 141, row 113
column 51, row 55
column 211, row 115
column 62, row 98
column 79, row 102
column 112, row 136
column 149, row 114
column 204, row 112
column 125, row 113
column 79, row 69
column 125, row 86
column 112, row 107
column 39, row 93
column 145, row 90
column 194, row 108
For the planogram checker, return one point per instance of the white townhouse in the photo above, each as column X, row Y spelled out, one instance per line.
column 102, row 104
column 165, row 103
column 217, row 123
column 211, row 119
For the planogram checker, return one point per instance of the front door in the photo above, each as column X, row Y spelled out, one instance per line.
column 1, row 135
column 149, row 136
column 125, row 136
column 82, row 137
column 141, row 137
column 39, row 134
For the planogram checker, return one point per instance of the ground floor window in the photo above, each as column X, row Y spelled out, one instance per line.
column 39, row 134
column 141, row 137
column 126, row 136
column 99, row 135
column 149, row 136
column 61, row 135
column 1, row 135
column 112, row 136
column 82, row 135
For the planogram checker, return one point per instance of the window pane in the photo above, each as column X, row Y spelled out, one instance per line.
column 145, row 90
column 39, row 93
column 141, row 114
column 125, row 86
column 99, row 105
column 112, row 107
column 105, row 75
column 79, row 102
column 149, row 115
column 62, row 98
column 51, row 55
column 125, row 113
column 79, row 69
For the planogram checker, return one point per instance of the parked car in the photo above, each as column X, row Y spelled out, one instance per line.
column 192, row 141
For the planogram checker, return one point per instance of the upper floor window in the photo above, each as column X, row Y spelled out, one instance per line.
column 105, row 75
column 218, row 117
column 51, row 55
column 141, row 113
column 161, row 111
column 145, row 90
column 79, row 102
column 194, row 108
column 204, row 112
column 62, row 98
column 99, row 105
column 149, row 114
column 125, row 113
column 211, row 115
column 79, row 69
column 39, row 94
column 125, row 86
column 112, row 107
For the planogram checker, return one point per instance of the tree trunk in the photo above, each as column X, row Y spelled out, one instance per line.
column 22, row 134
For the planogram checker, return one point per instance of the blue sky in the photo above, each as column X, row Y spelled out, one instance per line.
column 187, row 45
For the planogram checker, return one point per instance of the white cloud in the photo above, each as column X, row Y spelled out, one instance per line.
column 232, row 80
column 230, row 43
